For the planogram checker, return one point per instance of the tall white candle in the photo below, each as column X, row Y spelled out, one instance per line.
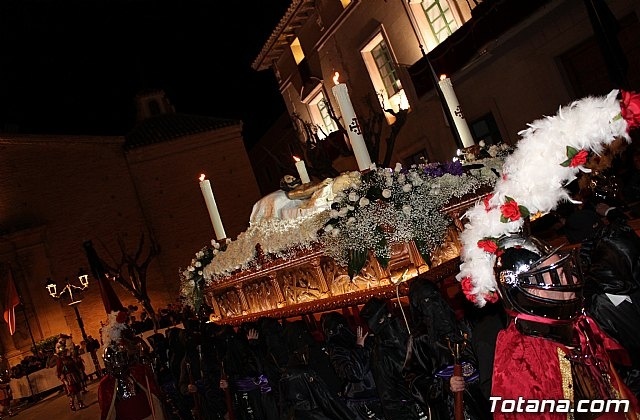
column 302, row 170
column 353, row 126
column 455, row 111
column 212, row 207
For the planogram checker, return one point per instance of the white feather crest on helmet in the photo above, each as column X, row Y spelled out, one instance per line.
column 112, row 330
column 533, row 182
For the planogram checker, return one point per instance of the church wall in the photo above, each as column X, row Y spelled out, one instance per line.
column 69, row 189
column 167, row 182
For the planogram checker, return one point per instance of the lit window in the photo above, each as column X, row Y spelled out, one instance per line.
column 318, row 108
column 345, row 3
column 296, row 49
column 383, row 71
column 486, row 129
column 440, row 18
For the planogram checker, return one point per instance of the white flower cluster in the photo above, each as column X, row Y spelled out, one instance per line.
column 190, row 278
column 278, row 238
column 399, row 205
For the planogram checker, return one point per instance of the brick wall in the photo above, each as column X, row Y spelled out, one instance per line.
column 58, row 191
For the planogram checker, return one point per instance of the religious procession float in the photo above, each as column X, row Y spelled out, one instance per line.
column 335, row 244
column 320, row 246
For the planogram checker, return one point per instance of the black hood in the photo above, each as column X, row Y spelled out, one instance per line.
column 375, row 313
column 430, row 312
column 298, row 340
column 271, row 336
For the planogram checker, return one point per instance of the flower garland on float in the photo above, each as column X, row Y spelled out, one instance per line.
column 548, row 157
column 370, row 212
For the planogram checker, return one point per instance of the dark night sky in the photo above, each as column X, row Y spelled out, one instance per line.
column 74, row 66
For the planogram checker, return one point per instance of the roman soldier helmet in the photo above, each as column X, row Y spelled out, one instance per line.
column 116, row 359
column 538, row 280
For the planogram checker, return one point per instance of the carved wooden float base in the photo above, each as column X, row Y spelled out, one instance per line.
column 313, row 282
column 388, row 291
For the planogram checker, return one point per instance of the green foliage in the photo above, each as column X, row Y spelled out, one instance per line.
column 47, row 345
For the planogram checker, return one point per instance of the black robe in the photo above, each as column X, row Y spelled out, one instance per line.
column 612, row 264
column 252, row 390
column 304, row 395
column 429, row 359
column 388, row 354
column 424, row 361
column 351, row 364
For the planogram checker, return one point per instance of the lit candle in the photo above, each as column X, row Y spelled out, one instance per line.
column 455, row 111
column 302, row 170
column 210, row 201
column 353, row 126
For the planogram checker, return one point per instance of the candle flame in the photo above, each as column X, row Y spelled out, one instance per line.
column 443, row 76
column 202, row 177
column 336, row 78
column 296, row 158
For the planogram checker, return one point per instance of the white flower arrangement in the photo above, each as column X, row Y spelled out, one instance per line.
column 276, row 237
column 398, row 205
column 370, row 211
column 191, row 278
column 548, row 156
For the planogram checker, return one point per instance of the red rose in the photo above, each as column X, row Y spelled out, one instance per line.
column 579, row 158
column 510, row 211
column 467, row 285
column 491, row 297
column 630, row 109
column 467, row 289
column 489, row 245
column 485, row 200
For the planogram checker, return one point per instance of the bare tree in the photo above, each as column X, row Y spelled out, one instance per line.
column 130, row 271
column 321, row 163
column 136, row 266
column 316, row 150
column 372, row 128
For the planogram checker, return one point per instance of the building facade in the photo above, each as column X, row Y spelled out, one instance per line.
column 59, row 191
column 510, row 62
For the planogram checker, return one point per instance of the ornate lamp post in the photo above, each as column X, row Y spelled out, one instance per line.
column 70, row 289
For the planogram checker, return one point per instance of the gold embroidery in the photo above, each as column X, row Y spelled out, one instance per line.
column 567, row 379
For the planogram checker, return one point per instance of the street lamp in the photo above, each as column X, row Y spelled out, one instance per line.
column 70, row 289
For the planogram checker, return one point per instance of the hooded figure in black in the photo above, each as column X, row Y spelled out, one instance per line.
column 429, row 364
column 611, row 263
column 200, row 373
column 252, row 390
column 276, row 354
column 388, row 353
column 350, row 360
column 304, row 395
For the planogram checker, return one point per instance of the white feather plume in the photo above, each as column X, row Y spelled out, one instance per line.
column 112, row 331
column 534, row 177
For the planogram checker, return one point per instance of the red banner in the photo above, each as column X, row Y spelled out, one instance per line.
column 11, row 301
